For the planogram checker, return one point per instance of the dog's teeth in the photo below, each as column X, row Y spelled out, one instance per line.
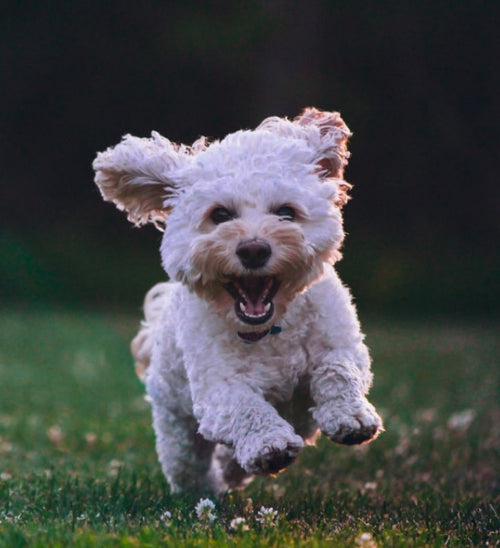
column 242, row 294
column 266, row 289
column 267, row 308
column 242, row 307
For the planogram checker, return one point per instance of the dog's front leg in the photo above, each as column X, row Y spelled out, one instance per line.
column 235, row 414
column 338, row 388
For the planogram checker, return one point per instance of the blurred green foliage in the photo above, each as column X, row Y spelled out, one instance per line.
column 417, row 82
column 78, row 269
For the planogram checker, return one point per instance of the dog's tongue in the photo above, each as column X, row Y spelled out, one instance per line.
column 255, row 288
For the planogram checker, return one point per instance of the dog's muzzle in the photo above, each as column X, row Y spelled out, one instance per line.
column 253, row 297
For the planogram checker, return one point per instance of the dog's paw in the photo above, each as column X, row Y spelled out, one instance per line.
column 272, row 460
column 353, row 425
column 270, row 454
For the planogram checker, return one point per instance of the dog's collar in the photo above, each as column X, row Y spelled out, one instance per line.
column 250, row 338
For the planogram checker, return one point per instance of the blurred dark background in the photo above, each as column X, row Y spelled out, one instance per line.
column 417, row 82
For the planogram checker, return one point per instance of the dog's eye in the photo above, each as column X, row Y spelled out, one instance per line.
column 221, row 215
column 286, row 213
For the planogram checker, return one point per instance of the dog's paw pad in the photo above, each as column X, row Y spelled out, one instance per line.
column 272, row 461
column 269, row 456
column 361, row 426
column 355, row 436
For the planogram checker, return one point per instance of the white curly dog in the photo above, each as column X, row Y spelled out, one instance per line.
column 254, row 345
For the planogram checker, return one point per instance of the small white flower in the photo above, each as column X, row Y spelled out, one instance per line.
column 114, row 467
column 267, row 517
column 55, row 434
column 239, row 524
column 204, row 510
column 166, row 517
column 461, row 421
column 10, row 518
column 365, row 540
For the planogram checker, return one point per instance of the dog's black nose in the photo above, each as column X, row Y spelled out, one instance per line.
column 253, row 253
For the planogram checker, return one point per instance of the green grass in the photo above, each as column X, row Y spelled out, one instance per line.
column 78, row 465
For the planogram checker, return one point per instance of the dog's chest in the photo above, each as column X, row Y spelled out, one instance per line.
column 274, row 366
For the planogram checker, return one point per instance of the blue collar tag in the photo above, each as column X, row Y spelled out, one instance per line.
column 275, row 330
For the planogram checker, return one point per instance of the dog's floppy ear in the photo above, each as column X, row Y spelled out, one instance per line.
column 138, row 175
column 328, row 135
column 330, row 139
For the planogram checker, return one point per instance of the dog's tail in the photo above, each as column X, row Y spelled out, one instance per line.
column 142, row 344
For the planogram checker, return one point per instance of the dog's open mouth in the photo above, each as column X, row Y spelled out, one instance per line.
column 253, row 297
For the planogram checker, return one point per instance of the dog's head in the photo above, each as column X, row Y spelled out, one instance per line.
column 252, row 219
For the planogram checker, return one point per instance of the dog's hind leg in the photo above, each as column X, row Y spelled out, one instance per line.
column 184, row 455
column 142, row 344
column 225, row 472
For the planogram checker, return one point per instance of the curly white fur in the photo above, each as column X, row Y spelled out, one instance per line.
column 254, row 226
